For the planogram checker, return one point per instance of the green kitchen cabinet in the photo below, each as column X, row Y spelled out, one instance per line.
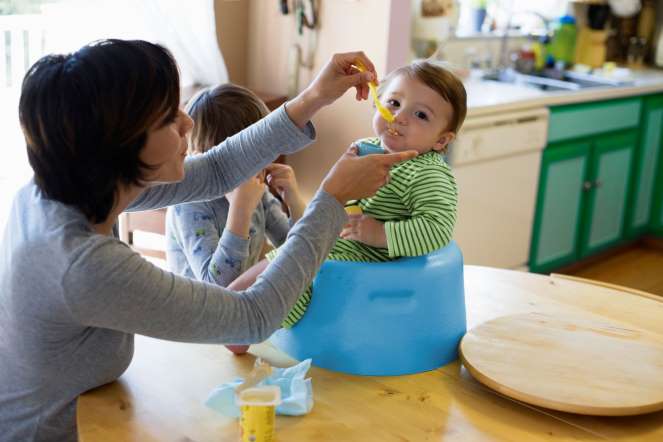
column 562, row 185
column 646, row 210
column 608, row 191
column 656, row 223
column 586, row 181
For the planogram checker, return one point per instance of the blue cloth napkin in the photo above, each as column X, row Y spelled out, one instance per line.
column 296, row 392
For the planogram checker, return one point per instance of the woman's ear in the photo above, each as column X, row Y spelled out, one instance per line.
column 443, row 142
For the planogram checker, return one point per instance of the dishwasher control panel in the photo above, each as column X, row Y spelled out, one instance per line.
column 499, row 135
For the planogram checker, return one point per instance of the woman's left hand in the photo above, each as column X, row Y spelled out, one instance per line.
column 365, row 229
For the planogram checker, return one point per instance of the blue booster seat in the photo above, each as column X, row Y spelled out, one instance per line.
column 388, row 318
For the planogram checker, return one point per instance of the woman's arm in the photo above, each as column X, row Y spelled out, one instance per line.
column 112, row 287
column 224, row 167
column 284, row 131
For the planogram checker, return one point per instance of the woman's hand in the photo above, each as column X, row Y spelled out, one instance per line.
column 281, row 177
column 365, row 229
column 243, row 202
column 354, row 177
column 336, row 77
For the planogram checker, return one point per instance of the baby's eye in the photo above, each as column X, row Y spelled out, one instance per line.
column 394, row 103
column 421, row 115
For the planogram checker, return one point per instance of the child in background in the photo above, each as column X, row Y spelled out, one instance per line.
column 415, row 212
column 215, row 241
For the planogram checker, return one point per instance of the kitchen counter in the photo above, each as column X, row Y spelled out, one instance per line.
column 162, row 394
column 489, row 97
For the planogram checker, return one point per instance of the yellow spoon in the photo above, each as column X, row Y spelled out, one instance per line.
column 384, row 112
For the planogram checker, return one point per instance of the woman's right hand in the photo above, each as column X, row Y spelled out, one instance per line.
column 243, row 202
column 354, row 177
column 333, row 80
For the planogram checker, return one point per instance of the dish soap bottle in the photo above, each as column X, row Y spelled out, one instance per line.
column 562, row 46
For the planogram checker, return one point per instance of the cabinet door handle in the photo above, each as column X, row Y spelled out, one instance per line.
column 598, row 183
column 587, row 185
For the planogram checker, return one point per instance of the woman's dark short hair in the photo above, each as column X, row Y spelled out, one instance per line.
column 85, row 117
column 220, row 112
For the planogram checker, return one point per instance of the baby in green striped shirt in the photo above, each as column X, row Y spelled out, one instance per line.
column 415, row 212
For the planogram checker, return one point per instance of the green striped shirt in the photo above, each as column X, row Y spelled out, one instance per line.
column 418, row 208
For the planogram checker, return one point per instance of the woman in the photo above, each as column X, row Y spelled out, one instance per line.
column 104, row 134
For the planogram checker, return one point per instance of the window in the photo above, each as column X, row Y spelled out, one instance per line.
column 494, row 16
column 31, row 28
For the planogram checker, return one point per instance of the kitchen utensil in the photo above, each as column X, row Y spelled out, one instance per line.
column 384, row 112
column 578, row 363
column 647, row 21
column 659, row 48
column 624, row 8
column 591, row 47
column 597, row 15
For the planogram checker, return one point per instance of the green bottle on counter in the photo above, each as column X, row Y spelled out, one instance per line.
column 562, row 46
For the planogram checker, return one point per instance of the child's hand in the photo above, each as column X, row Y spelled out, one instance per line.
column 365, row 229
column 243, row 202
column 281, row 177
column 248, row 194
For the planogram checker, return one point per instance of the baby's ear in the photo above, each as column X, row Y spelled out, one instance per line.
column 443, row 142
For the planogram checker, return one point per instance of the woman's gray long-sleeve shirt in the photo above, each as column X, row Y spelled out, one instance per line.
column 71, row 299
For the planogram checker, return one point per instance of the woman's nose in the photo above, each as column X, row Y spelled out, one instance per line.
column 187, row 123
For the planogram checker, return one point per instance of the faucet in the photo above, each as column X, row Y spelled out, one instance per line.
column 503, row 62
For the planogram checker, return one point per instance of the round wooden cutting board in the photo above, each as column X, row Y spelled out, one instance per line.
column 579, row 364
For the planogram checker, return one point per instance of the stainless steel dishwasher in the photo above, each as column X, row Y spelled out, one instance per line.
column 496, row 161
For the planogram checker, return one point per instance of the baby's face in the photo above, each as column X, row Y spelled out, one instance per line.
column 421, row 117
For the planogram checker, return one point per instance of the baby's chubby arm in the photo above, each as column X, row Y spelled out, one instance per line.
column 365, row 229
column 432, row 201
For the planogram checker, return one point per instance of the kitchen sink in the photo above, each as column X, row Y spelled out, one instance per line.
column 555, row 80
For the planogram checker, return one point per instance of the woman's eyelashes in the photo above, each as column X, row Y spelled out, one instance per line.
column 169, row 119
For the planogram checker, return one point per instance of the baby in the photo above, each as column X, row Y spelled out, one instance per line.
column 215, row 241
column 415, row 212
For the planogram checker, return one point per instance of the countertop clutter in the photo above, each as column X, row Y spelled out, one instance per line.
column 487, row 96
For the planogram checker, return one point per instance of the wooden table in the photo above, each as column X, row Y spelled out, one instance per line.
column 161, row 396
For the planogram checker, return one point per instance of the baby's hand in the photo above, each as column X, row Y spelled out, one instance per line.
column 365, row 229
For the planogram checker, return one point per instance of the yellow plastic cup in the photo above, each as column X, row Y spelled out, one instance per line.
column 258, row 413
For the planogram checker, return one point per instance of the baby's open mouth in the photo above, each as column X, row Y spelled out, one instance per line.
column 392, row 131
